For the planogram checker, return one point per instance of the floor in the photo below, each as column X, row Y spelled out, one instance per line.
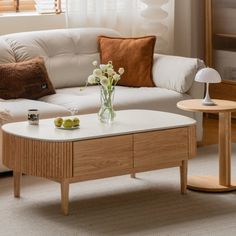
column 148, row 205
column 151, row 205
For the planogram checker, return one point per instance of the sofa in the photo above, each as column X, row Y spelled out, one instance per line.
column 68, row 56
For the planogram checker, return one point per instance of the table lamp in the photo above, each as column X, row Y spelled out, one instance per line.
column 208, row 75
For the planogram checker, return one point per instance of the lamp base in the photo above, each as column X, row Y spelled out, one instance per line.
column 207, row 100
column 208, row 103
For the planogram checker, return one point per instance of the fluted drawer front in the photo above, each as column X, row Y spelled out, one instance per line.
column 153, row 149
column 38, row 158
column 102, row 157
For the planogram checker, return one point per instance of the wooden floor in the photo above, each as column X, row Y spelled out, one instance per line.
column 210, row 130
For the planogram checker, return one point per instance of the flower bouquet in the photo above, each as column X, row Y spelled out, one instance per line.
column 106, row 76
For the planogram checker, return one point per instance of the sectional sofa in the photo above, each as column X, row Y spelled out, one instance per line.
column 68, row 56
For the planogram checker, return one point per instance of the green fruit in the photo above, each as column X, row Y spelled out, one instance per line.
column 76, row 121
column 67, row 123
column 58, row 122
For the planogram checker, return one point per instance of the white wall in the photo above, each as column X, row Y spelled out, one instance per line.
column 12, row 24
column 189, row 25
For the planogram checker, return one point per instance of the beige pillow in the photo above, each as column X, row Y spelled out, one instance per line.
column 175, row 73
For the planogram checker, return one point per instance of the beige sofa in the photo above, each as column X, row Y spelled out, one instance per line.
column 68, row 55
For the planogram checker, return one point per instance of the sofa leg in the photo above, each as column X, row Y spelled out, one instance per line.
column 183, row 176
column 17, row 182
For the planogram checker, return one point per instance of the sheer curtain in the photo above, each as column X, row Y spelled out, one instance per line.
column 130, row 17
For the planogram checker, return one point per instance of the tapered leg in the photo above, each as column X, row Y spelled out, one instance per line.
column 132, row 175
column 65, row 197
column 183, row 176
column 17, row 182
column 225, row 148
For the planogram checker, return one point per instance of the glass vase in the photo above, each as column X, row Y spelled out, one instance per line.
column 106, row 113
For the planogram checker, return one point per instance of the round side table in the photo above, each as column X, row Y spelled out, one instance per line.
column 222, row 183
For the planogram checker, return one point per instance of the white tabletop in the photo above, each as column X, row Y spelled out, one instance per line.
column 126, row 122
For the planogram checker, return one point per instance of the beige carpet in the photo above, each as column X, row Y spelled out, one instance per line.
column 148, row 205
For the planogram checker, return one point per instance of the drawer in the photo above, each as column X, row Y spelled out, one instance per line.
column 152, row 150
column 104, row 157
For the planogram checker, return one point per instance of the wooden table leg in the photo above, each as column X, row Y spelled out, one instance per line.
column 133, row 175
column 225, row 148
column 222, row 183
column 183, row 176
column 65, row 197
column 17, row 182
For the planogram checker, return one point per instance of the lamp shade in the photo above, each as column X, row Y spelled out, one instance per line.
column 208, row 75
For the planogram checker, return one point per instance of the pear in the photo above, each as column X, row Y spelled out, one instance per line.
column 67, row 123
column 76, row 122
column 58, row 122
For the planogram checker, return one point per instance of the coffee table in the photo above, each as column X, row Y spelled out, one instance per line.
column 222, row 183
column 138, row 140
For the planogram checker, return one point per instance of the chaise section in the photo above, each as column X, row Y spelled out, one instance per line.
column 18, row 109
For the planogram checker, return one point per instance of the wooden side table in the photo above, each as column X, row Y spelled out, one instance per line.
column 222, row 183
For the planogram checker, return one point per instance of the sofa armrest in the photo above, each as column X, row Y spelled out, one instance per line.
column 177, row 73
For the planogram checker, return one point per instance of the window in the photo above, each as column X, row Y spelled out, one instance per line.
column 50, row 6
column 40, row 6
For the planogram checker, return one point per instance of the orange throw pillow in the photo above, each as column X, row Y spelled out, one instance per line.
column 135, row 55
column 27, row 79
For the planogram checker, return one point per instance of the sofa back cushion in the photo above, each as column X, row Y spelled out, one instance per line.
column 6, row 54
column 68, row 53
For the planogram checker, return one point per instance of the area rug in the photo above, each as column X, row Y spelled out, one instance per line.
column 151, row 204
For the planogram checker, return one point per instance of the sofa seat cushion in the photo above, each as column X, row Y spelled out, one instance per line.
column 87, row 100
column 18, row 109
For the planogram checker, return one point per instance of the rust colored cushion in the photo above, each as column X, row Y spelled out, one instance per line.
column 27, row 79
column 134, row 54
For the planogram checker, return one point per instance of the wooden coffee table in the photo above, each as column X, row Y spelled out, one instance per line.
column 138, row 140
column 222, row 183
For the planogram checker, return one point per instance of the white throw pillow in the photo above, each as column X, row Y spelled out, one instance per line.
column 175, row 73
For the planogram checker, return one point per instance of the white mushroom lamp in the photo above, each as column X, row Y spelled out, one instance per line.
column 208, row 76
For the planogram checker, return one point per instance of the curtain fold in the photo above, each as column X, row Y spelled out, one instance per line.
column 131, row 18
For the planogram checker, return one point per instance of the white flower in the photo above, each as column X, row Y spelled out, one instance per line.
column 103, row 67
column 97, row 72
column 104, row 81
column 105, row 75
column 116, row 77
column 109, row 65
column 95, row 63
column 110, row 71
column 91, row 79
column 121, row 71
